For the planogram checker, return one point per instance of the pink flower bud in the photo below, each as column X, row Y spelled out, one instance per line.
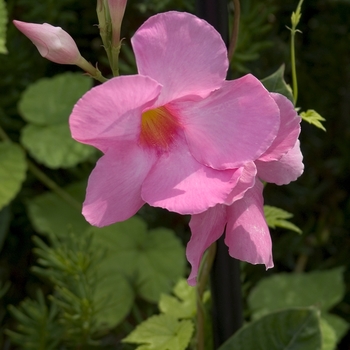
column 116, row 11
column 53, row 43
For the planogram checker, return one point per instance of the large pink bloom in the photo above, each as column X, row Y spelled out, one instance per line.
column 247, row 234
column 176, row 135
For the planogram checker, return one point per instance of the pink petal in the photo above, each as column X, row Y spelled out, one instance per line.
column 111, row 112
column 206, row 228
column 246, row 181
column 288, row 132
column 182, row 52
column 180, row 184
column 283, row 171
column 233, row 125
column 247, row 234
column 114, row 188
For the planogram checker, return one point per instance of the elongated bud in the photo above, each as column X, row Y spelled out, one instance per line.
column 53, row 43
column 116, row 11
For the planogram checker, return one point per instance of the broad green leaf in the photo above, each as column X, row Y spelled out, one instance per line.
column 183, row 305
column 275, row 83
column 276, row 217
column 329, row 338
column 3, row 24
column 312, row 117
column 297, row 290
column 115, row 296
column 50, row 214
column 13, row 168
column 339, row 325
column 292, row 329
column 46, row 106
column 151, row 260
column 162, row 332
column 53, row 146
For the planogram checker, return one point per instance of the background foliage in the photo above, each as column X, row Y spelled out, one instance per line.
column 319, row 200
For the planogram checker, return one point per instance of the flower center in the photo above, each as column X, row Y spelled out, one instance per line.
column 158, row 128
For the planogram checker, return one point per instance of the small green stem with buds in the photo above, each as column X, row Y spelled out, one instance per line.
column 295, row 20
column 94, row 72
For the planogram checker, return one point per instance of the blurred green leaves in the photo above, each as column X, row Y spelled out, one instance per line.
column 46, row 106
column 322, row 289
column 137, row 261
column 162, row 332
column 13, row 167
column 283, row 330
column 3, row 23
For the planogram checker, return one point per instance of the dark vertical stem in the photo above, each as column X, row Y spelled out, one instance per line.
column 225, row 276
column 226, row 295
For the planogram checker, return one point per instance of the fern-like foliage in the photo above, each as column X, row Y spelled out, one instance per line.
column 38, row 325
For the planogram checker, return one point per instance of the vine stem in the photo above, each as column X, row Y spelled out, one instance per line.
column 295, row 20
column 204, row 273
column 235, row 29
column 52, row 185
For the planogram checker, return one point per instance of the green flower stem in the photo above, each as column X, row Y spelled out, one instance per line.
column 235, row 29
column 295, row 20
column 53, row 186
column 91, row 70
column 203, row 277
column 115, row 59
column 45, row 179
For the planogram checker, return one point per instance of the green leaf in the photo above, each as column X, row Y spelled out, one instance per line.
column 276, row 217
column 152, row 260
column 162, row 332
column 53, row 146
column 329, row 338
column 3, row 23
column 275, row 83
column 183, row 305
column 115, row 297
column 13, row 167
column 46, row 105
column 339, row 325
column 291, row 329
column 50, row 214
column 312, row 117
column 297, row 290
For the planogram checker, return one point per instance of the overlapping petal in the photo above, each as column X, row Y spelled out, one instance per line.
column 232, row 126
column 247, row 234
column 288, row 132
column 114, row 189
column 206, row 228
column 180, row 184
column 285, row 170
column 245, row 182
column 111, row 113
column 182, row 52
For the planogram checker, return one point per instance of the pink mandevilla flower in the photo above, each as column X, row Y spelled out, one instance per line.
column 247, row 234
column 53, row 43
column 176, row 135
